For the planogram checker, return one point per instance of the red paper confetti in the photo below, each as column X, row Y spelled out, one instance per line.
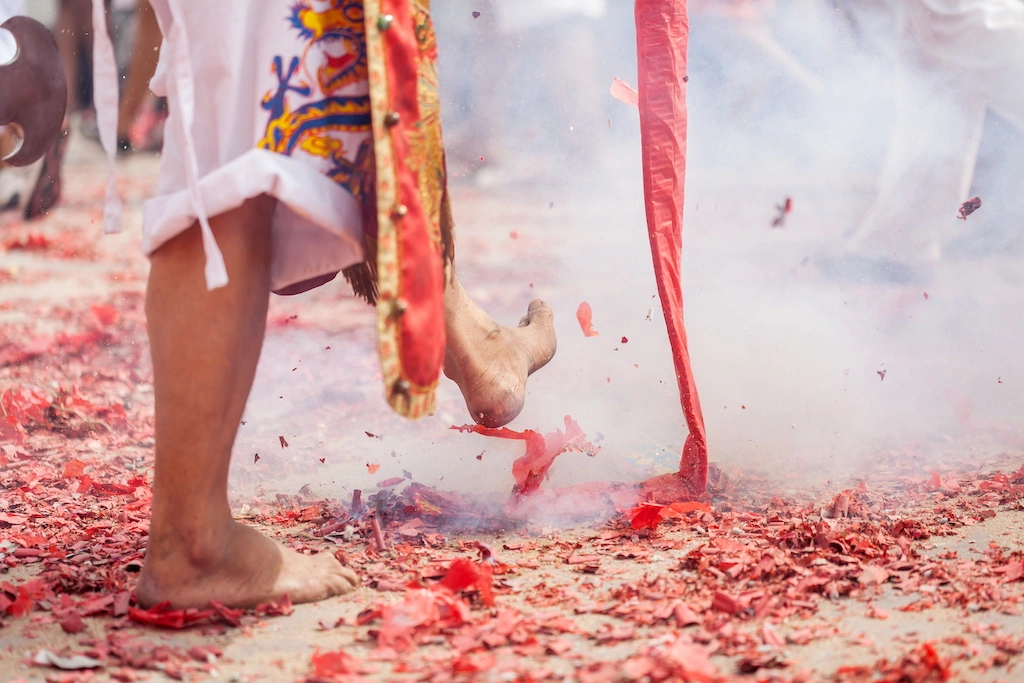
column 622, row 91
column 662, row 29
column 332, row 666
column 372, row 468
column 463, row 575
column 74, row 469
column 585, row 316
column 163, row 616
column 969, row 207
column 784, row 209
column 72, row 623
column 532, row 468
column 649, row 516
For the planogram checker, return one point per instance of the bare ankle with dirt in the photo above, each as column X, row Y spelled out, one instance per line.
column 491, row 363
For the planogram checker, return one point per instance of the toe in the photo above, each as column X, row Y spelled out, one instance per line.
column 538, row 335
column 351, row 578
column 539, row 313
column 342, row 579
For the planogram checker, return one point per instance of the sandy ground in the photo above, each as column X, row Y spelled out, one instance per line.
column 767, row 411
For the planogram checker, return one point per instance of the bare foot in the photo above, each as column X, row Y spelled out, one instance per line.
column 239, row 567
column 490, row 363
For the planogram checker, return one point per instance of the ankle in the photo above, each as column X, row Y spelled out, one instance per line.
column 200, row 543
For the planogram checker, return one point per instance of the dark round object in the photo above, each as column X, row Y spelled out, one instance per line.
column 33, row 89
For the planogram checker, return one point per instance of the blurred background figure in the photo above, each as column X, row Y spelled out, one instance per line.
column 141, row 113
column 36, row 189
column 960, row 80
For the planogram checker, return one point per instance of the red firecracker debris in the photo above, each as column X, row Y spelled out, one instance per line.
column 332, row 666
column 585, row 316
column 164, row 616
column 531, row 469
column 969, row 207
column 784, row 209
column 464, row 575
column 649, row 515
column 622, row 91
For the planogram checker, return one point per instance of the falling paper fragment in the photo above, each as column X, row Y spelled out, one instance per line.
column 372, row 468
column 622, row 91
column 969, row 207
column 284, row 444
column 784, row 210
column 585, row 315
column 541, row 450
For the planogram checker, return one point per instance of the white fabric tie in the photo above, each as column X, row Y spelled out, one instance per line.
column 105, row 98
column 184, row 83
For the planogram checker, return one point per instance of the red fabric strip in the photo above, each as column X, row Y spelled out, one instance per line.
column 662, row 36
column 419, row 257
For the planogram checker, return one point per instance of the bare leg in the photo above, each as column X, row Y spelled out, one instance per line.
column 490, row 363
column 205, row 347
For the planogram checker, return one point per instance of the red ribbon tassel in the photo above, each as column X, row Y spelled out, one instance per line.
column 662, row 36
